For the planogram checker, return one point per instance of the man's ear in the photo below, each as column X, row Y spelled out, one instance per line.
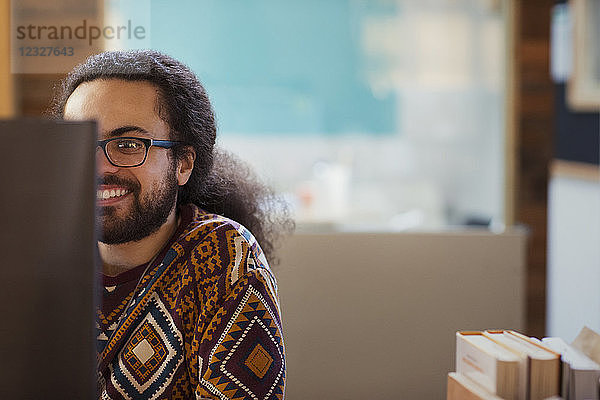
column 185, row 165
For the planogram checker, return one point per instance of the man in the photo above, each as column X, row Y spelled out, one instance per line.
column 189, row 307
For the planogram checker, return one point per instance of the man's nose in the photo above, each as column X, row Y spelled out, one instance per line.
column 102, row 163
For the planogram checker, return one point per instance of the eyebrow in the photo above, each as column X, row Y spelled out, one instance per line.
column 124, row 129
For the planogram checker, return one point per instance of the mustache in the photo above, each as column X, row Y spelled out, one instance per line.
column 130, row 185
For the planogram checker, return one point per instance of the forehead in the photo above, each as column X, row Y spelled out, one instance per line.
column 114, row 103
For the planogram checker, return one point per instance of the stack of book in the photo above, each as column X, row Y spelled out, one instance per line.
column 504, row 364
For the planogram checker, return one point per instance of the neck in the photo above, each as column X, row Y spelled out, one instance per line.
column 118, row 258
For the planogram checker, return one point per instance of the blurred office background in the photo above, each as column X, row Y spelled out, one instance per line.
column 396, row 116
column 367, row 114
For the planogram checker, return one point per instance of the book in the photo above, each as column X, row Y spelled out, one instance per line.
column 492, row 366
column 580, row 374
column 588, row 342
column 462, row 388
column 539, row 366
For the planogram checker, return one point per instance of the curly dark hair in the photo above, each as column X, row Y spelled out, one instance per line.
column 220, row 183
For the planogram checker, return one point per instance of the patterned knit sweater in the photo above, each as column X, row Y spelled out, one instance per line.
column 201, row 321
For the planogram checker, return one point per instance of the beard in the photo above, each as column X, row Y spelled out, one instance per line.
column 146, row 214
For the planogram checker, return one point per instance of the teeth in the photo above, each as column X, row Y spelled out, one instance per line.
column 106, row 194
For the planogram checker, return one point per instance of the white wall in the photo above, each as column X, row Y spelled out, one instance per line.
column 388, row 176
column 573, row 256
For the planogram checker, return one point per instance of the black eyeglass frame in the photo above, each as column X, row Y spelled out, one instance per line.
column 166, row 144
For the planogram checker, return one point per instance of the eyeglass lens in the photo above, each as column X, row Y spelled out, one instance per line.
column 126, row 152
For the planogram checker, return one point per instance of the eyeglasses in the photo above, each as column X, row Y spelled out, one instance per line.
column 131, row 151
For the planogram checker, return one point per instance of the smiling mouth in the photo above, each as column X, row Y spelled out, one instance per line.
column 111, row 193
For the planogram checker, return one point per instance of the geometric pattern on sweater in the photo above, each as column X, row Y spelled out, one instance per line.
column 211, row 289
column 248, row 359
column 115, row 313
column 106, row 324
column 136, row 308
column 146, row 363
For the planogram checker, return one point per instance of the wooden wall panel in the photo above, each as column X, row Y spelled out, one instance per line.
column 6, row 81
column 34, row 90
column 534, row 146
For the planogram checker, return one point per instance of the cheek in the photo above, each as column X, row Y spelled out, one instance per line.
column 150, row 171
column 153, row 180
column 153, row 173
column 158, row 164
